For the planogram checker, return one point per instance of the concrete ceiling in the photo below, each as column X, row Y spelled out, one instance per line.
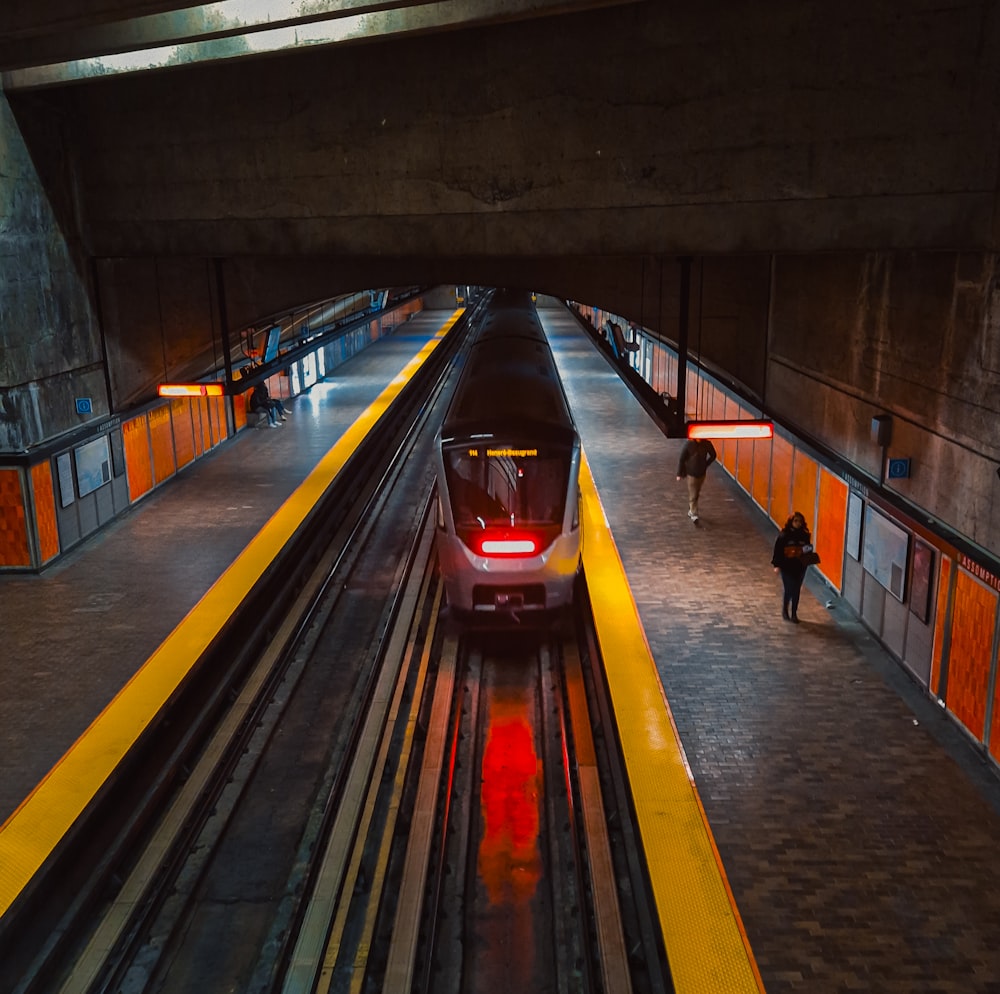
column 573, row 146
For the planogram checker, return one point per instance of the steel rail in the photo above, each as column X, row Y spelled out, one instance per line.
column 251, row 715
column 145, row 888
column 337, row 868
column 401, row 962
column 616, row 977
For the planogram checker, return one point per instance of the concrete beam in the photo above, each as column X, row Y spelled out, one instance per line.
column 635, row 130
column 235, row 29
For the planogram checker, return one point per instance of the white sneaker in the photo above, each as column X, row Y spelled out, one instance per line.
column 276, row 425
column 691, row 515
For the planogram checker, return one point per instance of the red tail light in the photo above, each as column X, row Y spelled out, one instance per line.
column 508, row 543
column 513, row 546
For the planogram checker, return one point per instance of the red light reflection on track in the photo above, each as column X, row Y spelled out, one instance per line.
column 510, row 864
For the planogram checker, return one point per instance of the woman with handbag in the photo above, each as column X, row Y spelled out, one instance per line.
column 793, row 552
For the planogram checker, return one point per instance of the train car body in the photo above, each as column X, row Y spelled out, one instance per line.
column 508, row 472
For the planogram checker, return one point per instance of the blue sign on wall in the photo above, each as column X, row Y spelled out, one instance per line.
column 83, row 405
column 899, row 469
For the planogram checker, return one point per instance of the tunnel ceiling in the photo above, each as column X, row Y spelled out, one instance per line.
column 547, row 134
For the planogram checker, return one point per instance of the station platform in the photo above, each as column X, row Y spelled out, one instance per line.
column 856, row 826
column 74, row 635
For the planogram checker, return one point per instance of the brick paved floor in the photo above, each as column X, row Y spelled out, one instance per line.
column 858, row 828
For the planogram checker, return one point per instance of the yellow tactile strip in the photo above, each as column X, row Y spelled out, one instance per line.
column 702, row 931
column 36, row 828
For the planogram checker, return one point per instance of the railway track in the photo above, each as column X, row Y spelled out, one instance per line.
column 321, row 610
column 388, row 801
column 454, row 837
column 514, row 869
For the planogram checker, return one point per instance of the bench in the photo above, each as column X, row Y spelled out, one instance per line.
column 621, row 347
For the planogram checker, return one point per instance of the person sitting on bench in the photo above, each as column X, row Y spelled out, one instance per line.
column 261, row 401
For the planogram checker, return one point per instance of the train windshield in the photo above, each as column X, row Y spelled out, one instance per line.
column 498, row 485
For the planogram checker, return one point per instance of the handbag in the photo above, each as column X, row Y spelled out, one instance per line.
column 810, row 558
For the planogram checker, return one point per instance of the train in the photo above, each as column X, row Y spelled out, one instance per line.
column 508, row 469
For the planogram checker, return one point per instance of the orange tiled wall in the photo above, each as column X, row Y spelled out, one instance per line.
column 203, row 417
column 804, row 470
column 761, row 471
column 240, row 404
column 218, row 406
column 155, row 444
column 831, row 527
column 137, row 457
column 45, row 510
column 781, row 480
column 14, row 550
column 972, row 621
column 180, row 413
column 161, row 436
column 730, row 412
column 744, row 463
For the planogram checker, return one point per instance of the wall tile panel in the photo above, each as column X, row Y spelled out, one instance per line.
column 161, row 435
column 830, row 531
column 804, row 473
column 45, row 510
column 138, row 461
column 782, row 455
column 180, row 414
column 969, row 658
column 14, row 549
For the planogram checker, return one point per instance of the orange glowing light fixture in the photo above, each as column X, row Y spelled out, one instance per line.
column 730, row 429
column 190, row 390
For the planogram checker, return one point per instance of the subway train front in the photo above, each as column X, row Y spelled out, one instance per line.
column 508, row 472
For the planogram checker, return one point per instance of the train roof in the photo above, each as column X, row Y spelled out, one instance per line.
column 509, row 383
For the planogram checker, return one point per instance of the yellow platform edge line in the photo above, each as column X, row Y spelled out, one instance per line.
column 706, row 943
column 41, row 821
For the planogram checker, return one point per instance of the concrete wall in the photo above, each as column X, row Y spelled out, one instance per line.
column 160, row 319
column 912, row 335
column 717, row 127
column 50, row 349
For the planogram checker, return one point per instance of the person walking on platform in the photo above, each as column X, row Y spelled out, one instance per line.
column 792, row 543
column 696, row 456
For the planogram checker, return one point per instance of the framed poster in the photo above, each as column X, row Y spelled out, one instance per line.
column 886, row 549
column 854, row 508
column 93, row 465
column 64, row 472
column 921, row 572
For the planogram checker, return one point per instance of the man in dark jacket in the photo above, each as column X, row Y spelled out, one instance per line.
column 696, row 456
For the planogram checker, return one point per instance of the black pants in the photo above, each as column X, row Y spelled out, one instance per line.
column 791, row 580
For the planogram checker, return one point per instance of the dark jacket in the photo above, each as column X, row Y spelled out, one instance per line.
column 696, row 456
column 788, row 549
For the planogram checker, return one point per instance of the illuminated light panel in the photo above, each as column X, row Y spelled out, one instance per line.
column 190, row 390
column 508, row 547
column 730, row 429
